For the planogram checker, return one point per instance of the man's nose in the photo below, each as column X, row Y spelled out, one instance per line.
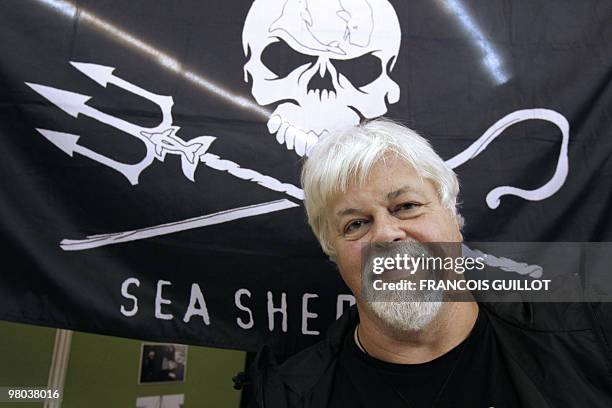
column 387, row 228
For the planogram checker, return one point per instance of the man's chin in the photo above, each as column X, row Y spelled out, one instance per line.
column 406, row 316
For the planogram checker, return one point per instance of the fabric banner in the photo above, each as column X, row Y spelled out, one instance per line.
column 151, row 150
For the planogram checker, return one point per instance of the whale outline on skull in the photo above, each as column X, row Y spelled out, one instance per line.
column 320, row 95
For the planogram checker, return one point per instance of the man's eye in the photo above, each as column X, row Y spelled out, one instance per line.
column 406, row 206
column 353, row 226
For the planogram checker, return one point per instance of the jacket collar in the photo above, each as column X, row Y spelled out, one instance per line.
column 302, row 371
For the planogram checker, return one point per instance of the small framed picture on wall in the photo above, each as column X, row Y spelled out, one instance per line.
column 162, row 363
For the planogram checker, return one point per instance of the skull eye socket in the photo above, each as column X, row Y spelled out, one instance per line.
column 281, row 59
column 360, row 71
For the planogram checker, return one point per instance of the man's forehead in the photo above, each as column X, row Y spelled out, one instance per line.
column 388, row 179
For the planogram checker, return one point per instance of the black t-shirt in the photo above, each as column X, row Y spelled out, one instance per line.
column 471, row 375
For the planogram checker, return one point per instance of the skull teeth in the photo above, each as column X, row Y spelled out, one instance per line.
column 321, row 94
column 291, row 136
column 274, row 123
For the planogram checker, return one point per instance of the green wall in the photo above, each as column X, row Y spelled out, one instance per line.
column 103, row 370
column 26, row 357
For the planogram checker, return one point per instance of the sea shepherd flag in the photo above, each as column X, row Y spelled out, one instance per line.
column 151, row 150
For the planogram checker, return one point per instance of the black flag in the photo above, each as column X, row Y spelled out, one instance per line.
column 151, row 150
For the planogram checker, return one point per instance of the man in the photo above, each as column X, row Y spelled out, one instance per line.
column 383, row 183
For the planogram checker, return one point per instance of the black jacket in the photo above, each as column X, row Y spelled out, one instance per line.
column 557, row 355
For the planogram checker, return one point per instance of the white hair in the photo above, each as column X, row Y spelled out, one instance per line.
column 401, row 310
column 346, row 156
column 404, row 315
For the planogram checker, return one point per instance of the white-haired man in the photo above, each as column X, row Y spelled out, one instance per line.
column 383, row 183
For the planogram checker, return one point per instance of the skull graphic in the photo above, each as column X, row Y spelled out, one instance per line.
column 326, row 63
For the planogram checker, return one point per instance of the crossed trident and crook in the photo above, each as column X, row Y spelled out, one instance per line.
column 162, row 140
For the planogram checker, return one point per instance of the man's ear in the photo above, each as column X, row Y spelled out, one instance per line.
column 460, row 222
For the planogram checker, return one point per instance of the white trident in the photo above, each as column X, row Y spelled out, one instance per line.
column 159, row 140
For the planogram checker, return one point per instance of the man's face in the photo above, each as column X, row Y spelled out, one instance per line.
column 394, row 204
